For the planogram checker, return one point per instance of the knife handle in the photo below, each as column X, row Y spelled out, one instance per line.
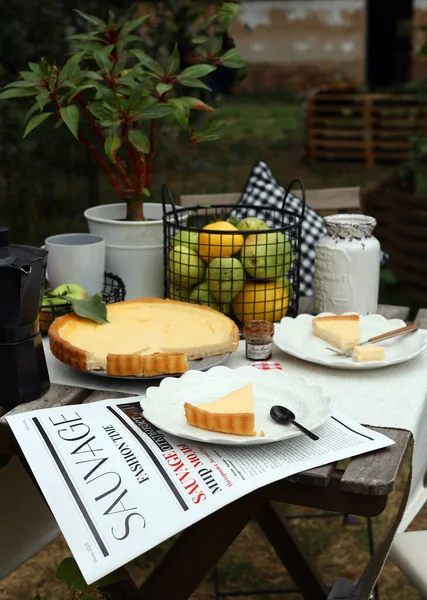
column 395, row 332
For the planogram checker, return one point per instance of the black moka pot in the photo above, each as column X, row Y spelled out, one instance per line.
column 23, row 368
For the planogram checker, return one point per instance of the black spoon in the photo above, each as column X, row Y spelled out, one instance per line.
column 284, row 415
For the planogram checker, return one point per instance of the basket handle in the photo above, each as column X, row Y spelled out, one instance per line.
column 166, row 192
column 303, row 201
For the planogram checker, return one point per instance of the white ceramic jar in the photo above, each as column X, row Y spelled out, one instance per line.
column 347, row 266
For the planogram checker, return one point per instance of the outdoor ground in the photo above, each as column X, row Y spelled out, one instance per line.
column 266, row 129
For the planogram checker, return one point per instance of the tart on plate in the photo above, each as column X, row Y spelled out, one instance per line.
column 233, row 413
column 145, row 337
column 341, row 331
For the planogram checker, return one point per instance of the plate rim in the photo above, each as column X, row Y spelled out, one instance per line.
column 217, row 438
column 351, row 366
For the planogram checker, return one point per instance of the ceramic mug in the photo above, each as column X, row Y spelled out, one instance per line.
column 76, row 258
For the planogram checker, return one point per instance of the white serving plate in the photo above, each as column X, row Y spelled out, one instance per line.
column 294, row 336
column 164, row 404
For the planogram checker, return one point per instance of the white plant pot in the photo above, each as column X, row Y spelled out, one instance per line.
column 134, row 250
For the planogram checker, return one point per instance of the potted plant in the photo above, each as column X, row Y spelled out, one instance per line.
column 111, row 94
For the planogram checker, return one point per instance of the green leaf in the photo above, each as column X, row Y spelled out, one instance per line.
column 139, row 141
column 192, row 83
column 93, row 308
column 70, row 116
column 101, row 58
column 35, row 122
column 200, row 39
column 124, row 41
column 210, row 133
column 20, row 84
column 31, row 76
column 93, row 75
column 111, row 146
column 181, row 113
column 162, row 88
column 80, row 89
column 107, row 95
column 120, row 64
column 196, row 104
column 173, row 62
column 86, row 36
column 34, row 67
column 37, row 597
column 42, row 99
column 35, row 107
column 68, row 571
column 91, row 19
column 227, row 13
column 232, row 59
column 147, row 61
column 157, row 111
column 71, row 67
column 17, row 93
column 132, row 24
column 196, row 71
column 89, row 47
column 99, row 111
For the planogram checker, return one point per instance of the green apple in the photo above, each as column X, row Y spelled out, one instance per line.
column 226, row 308
column 69, row 289
column 267, row 255
column 226, row 278
column 202, row 295
column 251, row 224
column 185, row 267
column 187, row 238
column 286, row 284
column 179, row 293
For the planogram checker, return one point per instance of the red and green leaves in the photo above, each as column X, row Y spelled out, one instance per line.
column 121, row 91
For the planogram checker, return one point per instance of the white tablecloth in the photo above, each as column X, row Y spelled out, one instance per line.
column 394, row 396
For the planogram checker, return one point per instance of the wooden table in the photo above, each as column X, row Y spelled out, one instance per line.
column 362, row 488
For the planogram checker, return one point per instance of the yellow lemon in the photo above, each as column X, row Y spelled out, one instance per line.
column 261, row 300
column 214, row 245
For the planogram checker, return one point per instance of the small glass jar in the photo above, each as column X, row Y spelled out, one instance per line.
column 259, row 339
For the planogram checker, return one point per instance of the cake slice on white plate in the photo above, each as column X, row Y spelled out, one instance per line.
column 233, row 413
column 340, row 331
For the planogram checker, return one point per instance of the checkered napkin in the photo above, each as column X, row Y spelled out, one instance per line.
column 262, row 190
column 267, row 365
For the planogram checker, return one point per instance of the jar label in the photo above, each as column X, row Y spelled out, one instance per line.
column 259, row 351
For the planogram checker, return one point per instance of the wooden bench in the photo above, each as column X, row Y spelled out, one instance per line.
column 323, row 201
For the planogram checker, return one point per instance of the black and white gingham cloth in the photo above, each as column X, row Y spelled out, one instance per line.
column 262, row 189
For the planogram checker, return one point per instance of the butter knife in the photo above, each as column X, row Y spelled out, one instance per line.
column 410, row 328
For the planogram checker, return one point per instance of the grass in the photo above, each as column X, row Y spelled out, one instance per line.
column 266, row 129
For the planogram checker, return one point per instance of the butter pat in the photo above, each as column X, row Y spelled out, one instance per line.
column 368, row 353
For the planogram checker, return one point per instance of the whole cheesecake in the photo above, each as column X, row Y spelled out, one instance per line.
column 143, row 338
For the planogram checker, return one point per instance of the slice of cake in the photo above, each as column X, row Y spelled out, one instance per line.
column 368, row 353
column 341, row 331
column 233, row 413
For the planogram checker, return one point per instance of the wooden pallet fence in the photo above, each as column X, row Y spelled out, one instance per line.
column 368, row 128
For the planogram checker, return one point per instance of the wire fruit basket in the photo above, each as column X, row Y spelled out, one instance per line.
column 113, row 291
column 239, row 259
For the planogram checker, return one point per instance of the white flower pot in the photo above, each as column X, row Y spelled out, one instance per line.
column 134, row 250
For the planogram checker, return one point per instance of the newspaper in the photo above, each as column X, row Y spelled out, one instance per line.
column 118, row 486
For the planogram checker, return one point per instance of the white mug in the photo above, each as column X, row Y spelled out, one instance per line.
column 77, row 258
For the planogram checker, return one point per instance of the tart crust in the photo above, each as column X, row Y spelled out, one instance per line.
column 136, row 364
column 237, row 423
